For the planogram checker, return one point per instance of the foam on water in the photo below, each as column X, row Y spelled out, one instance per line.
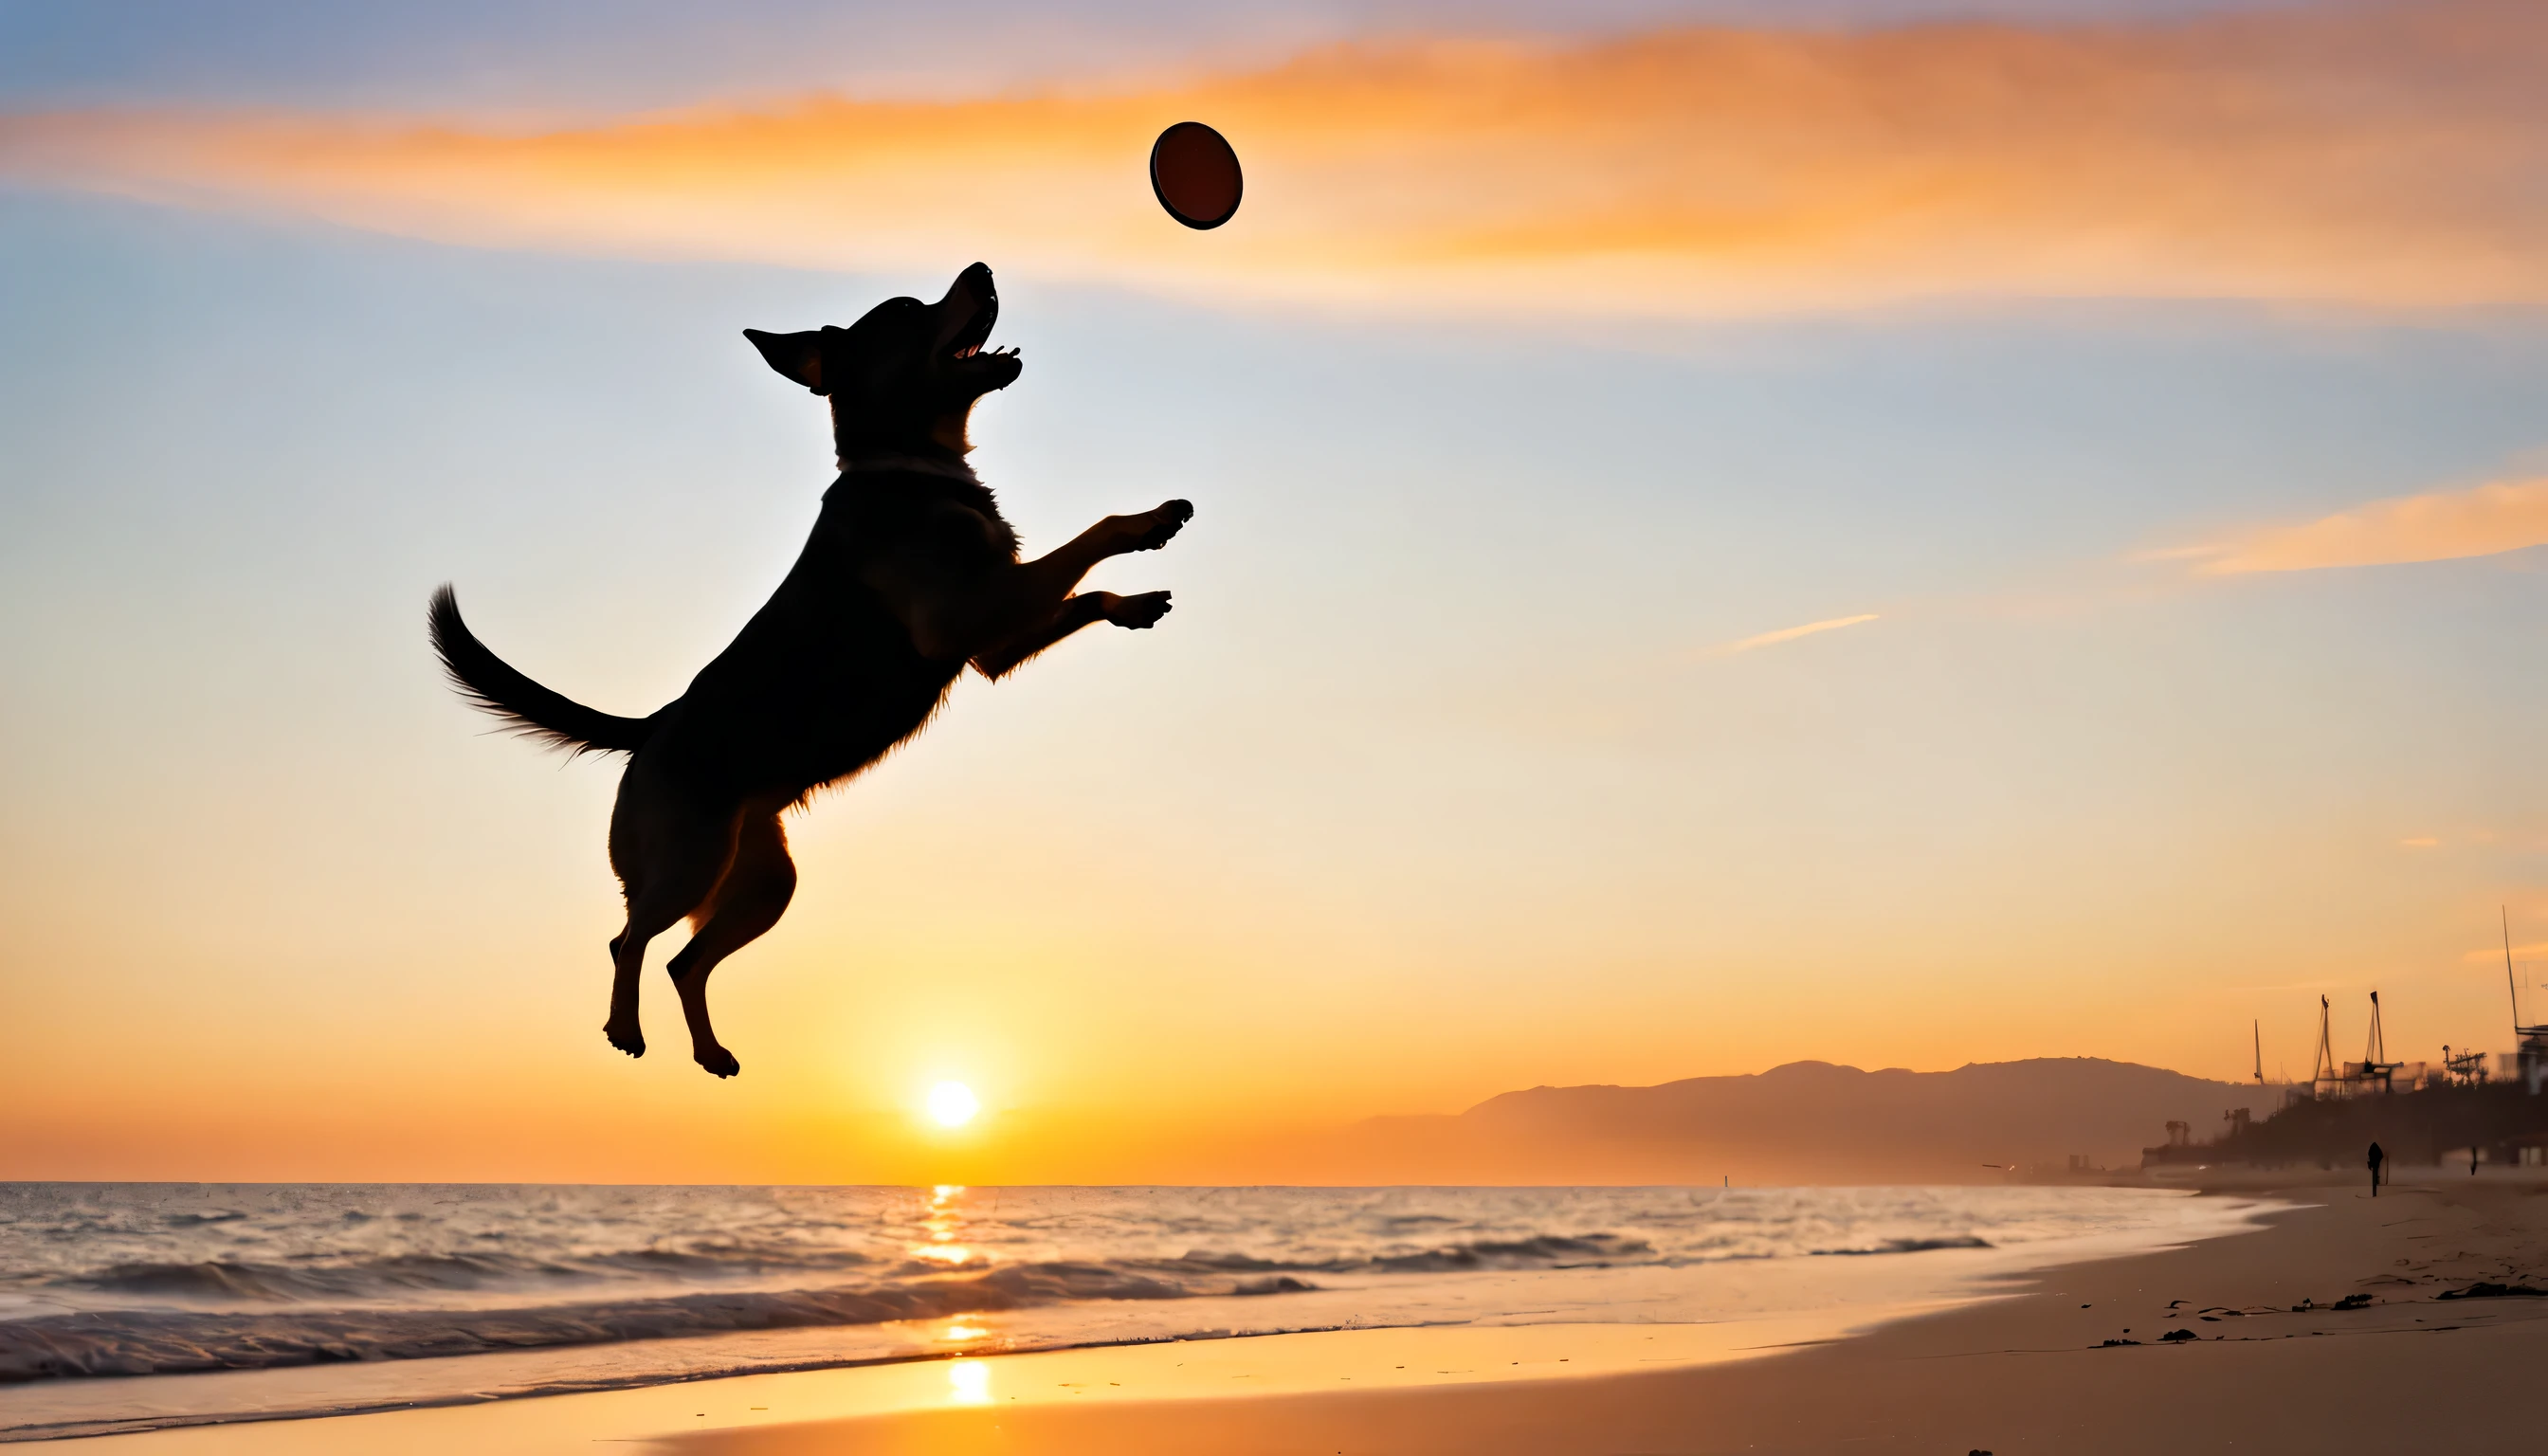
column 308, row 1298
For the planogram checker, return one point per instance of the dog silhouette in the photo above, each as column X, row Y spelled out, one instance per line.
column 911, row 572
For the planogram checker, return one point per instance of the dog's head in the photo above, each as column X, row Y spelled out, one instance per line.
column 905, row 377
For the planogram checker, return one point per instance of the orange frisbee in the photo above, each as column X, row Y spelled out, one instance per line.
column 1196, row 175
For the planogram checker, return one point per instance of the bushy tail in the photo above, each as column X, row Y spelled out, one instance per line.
column 492, row 686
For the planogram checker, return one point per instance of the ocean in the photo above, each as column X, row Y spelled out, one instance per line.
column 135, row 1305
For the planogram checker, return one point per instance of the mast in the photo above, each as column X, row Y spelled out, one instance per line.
column 2375, row 1058
column 2323, row 1070
column 2509, row 986
column 2258, row 1029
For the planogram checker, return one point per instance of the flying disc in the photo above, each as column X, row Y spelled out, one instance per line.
column 1196, row 175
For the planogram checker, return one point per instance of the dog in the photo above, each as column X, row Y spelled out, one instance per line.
column 911, row 574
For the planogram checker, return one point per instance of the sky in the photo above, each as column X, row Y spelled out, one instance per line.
column 1902, row 534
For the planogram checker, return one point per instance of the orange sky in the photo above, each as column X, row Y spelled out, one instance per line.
column 2379, row 156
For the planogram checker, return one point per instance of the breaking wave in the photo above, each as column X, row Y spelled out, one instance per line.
column 1913, row 1245
column 567, row 1287
column 171, row 1342
column 236, row 1334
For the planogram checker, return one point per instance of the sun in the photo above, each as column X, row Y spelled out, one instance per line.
column 953, row 1104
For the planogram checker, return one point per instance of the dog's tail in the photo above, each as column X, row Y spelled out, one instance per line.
column 492, row 686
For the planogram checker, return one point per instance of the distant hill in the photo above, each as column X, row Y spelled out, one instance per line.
column 1808, row 1121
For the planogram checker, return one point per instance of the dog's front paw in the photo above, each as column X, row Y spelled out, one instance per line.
column 716, row 1061
column 1160, row 526
column 1140, row 611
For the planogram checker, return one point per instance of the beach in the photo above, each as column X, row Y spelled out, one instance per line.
column 2273, row 1363
column 126, row 1308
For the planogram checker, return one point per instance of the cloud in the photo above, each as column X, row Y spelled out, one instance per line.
column 2493, row 955
column 2419, row 842
column 2438, row 525
column 2379, row 156
column 1790, row 634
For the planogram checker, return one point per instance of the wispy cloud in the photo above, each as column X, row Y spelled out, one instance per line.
column 2382, row 155
column 2294, row 986
column 2493, row 955
column 1790, row 634
column 2438, row 525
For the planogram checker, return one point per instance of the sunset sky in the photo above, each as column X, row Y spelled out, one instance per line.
column 1726, row 532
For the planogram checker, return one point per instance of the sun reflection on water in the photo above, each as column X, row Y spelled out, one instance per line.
column 969, row 1383
column 942, row 1222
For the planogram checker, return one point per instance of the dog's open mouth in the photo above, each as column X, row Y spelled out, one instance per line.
column 996, row 367
column 975, row 300
column 974, row 345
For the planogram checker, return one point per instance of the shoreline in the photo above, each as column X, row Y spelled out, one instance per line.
column 1576, row 1321
column 2024, row 1373
column 1703, row 1267
column 2007, row 1368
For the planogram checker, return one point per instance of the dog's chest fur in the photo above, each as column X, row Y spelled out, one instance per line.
column 889, row 510
column 824, row 680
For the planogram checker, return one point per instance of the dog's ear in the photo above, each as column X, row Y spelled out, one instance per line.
column 799, row 356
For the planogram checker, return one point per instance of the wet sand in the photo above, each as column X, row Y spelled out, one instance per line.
column 2028, row 1373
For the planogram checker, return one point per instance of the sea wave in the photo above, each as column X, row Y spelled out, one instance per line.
column 140, row 1280
column 1913, row 1245
column 404, row 1275
column 168, row 1342
column 227, row 1283
column 1539, row 1252
column 171, row 1342
column 1532, row 1252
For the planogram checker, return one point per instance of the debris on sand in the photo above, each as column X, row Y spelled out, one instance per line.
column 2485, row 1289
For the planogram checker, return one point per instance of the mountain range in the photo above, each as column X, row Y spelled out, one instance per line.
column 1807, row 1122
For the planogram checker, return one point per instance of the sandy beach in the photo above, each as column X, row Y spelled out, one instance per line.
column 2273, row 1363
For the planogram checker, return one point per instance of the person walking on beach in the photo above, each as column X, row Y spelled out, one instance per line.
column 2373, row 1160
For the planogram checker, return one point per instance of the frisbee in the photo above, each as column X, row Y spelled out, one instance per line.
column 1196, row 175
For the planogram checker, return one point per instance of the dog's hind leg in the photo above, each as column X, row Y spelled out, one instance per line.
column 623, row 1029
column 754, row 894
column 670, row 858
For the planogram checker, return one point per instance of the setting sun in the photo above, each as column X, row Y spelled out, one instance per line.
column 953, row 1104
